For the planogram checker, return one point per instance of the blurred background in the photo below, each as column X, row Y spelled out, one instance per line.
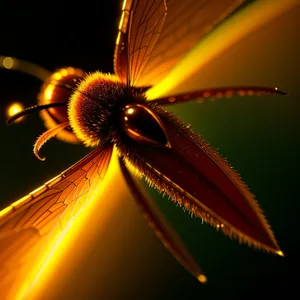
column 258, row 135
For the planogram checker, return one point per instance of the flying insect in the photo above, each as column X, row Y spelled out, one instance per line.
column 108, row 111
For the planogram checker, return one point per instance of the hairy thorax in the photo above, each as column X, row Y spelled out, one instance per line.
column 95, row 106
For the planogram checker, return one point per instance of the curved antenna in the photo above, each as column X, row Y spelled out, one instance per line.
column 32, row 109
column 12, row 63
column 45, row 106
column 46, row 136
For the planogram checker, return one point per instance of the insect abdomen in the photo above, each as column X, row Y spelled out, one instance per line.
column 58, row 89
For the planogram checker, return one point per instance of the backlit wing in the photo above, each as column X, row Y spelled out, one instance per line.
column 144, row 25
column 28, row 220
column 140, row 26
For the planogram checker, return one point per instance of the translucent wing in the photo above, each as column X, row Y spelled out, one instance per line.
column 140, row 26
column 173, row 36
column 41, row 208
column 28, row 220
column 243, row 41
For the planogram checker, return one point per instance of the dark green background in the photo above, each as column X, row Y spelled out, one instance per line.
column 258, row 135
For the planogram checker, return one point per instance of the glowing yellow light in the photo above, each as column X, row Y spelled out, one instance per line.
column 118, row 38
column 202, row 278
column 121, row 21
column 25, row 67
column 48, row 92
column 73, row 224
column 130, row 111
column 219, row 40
column 63, row 72
column 280, row 253
column 124, row 5
column 13, row 109
column 4, row 211
column 21, row 201
column 57, row 76
column 71, row 71
column 8, row 62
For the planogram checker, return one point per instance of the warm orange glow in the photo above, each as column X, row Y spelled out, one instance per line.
column 8, row 62
column 223, row 37
column 124, row 17
column 130, row 111
column 280, row 253
column 121, row 21
column 76, row 219
column 118, row 38
column 59, row 74
column 13, row 109
column 5, row 211
column 64, row 72
column 72, row 225
column 20, row 201
column 13, row 63
column 124, row 4
column 48, row 93
column 90, row 80
column 202, row 278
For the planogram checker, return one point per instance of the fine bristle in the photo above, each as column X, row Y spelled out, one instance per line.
column 165, row 185
column 91, row 105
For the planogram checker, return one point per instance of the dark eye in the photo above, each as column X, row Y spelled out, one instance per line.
column 142, row 125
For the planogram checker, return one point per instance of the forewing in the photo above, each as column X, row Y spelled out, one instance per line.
column 28, row 220
column 196, row 177
column 140, row 26
column 185, row 24
column 242, row 41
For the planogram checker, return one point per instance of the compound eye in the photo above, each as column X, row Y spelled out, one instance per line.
column 142, row 125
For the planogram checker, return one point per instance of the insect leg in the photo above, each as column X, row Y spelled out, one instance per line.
column 202, row 95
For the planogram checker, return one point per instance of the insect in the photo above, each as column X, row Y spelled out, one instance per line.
column 107, row 111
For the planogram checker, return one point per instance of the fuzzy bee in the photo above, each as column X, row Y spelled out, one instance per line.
column 107, row 111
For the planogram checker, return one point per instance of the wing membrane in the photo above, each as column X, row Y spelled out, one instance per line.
column 26, row 223
column 173, row 36
column 42, row 207
column 140, row 26
column 187, row 22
